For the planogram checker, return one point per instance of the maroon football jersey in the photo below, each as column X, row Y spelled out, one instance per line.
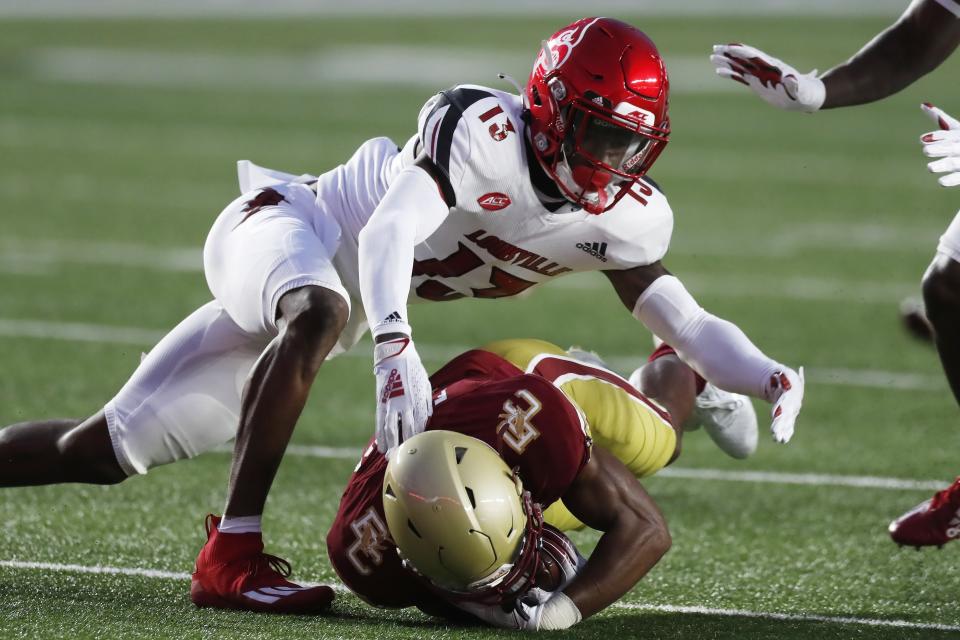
column 533, row 426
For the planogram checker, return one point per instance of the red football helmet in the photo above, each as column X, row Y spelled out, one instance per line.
column 598, row 109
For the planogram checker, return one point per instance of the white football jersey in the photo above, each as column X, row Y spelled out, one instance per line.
column 499, row 238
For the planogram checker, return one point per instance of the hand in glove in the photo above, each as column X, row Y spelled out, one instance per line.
column 404, row 396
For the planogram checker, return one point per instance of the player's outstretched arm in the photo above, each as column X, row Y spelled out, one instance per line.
column 607, row 497
column 716, row 349
column 410, row 211
column 924, row 36
column 916, row 44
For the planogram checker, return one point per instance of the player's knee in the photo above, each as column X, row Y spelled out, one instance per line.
column 89, row 456
column 672, row 384
column 941, row 289
column 661, row 539
column 312, row 318
column 678, row 448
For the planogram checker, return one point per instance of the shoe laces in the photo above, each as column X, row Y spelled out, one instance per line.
column 713, row 398
column 268, row 562
column 950, row 495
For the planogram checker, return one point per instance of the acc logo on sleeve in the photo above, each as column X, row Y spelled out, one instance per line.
column 494, row 201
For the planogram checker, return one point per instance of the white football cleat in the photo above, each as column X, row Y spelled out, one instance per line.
column 729, row 420
column 587, row 357
column 634, row 378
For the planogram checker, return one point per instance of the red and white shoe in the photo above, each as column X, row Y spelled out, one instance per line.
column 233, row 572
column 934, row 522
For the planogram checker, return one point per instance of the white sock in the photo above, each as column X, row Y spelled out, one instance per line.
column 242, row 524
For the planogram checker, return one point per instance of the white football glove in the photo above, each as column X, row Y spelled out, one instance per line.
column 785, row 391
column 404, row 396
column 944, row 144
column 538, row 610
column 773, row 80
column 523, row 617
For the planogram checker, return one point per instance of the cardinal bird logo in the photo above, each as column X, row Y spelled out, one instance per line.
column 560, row 47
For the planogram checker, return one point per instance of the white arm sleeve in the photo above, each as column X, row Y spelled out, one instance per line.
column 411, row 210
column 716, row 349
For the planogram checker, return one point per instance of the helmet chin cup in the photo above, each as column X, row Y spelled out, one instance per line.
column 588, row 187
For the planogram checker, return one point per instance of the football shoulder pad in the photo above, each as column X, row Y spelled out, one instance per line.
column 473, row 135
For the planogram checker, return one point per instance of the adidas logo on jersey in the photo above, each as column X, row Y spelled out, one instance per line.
column 597, row 249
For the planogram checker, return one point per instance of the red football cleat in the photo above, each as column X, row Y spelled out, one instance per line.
column 934, row 522
column 233, row 572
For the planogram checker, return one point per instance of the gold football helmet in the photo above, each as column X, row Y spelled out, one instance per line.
column 460, row 517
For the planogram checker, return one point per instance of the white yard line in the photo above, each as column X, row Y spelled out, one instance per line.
column 813, row 479
column 247, row 9
column 29, row 254
column 431, row 67
column 653, row 608
column 78, row 332
column 96, row 569
column 46, row 253
column 787, row 617
column 759, row 477
column 142, row 337
column 41, row 257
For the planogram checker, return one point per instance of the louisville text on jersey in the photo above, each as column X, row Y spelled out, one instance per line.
column 506, row 252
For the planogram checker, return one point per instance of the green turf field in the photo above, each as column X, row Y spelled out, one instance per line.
column 117, row 148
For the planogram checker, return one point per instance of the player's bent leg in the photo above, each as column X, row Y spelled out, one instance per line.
column 937, row 521
column 728, row 418
column 310, row 320
column 184, row 397
column 231, row 570
column 941, row 295
column 672, row 384
column 53, row 451
column 269, row 260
